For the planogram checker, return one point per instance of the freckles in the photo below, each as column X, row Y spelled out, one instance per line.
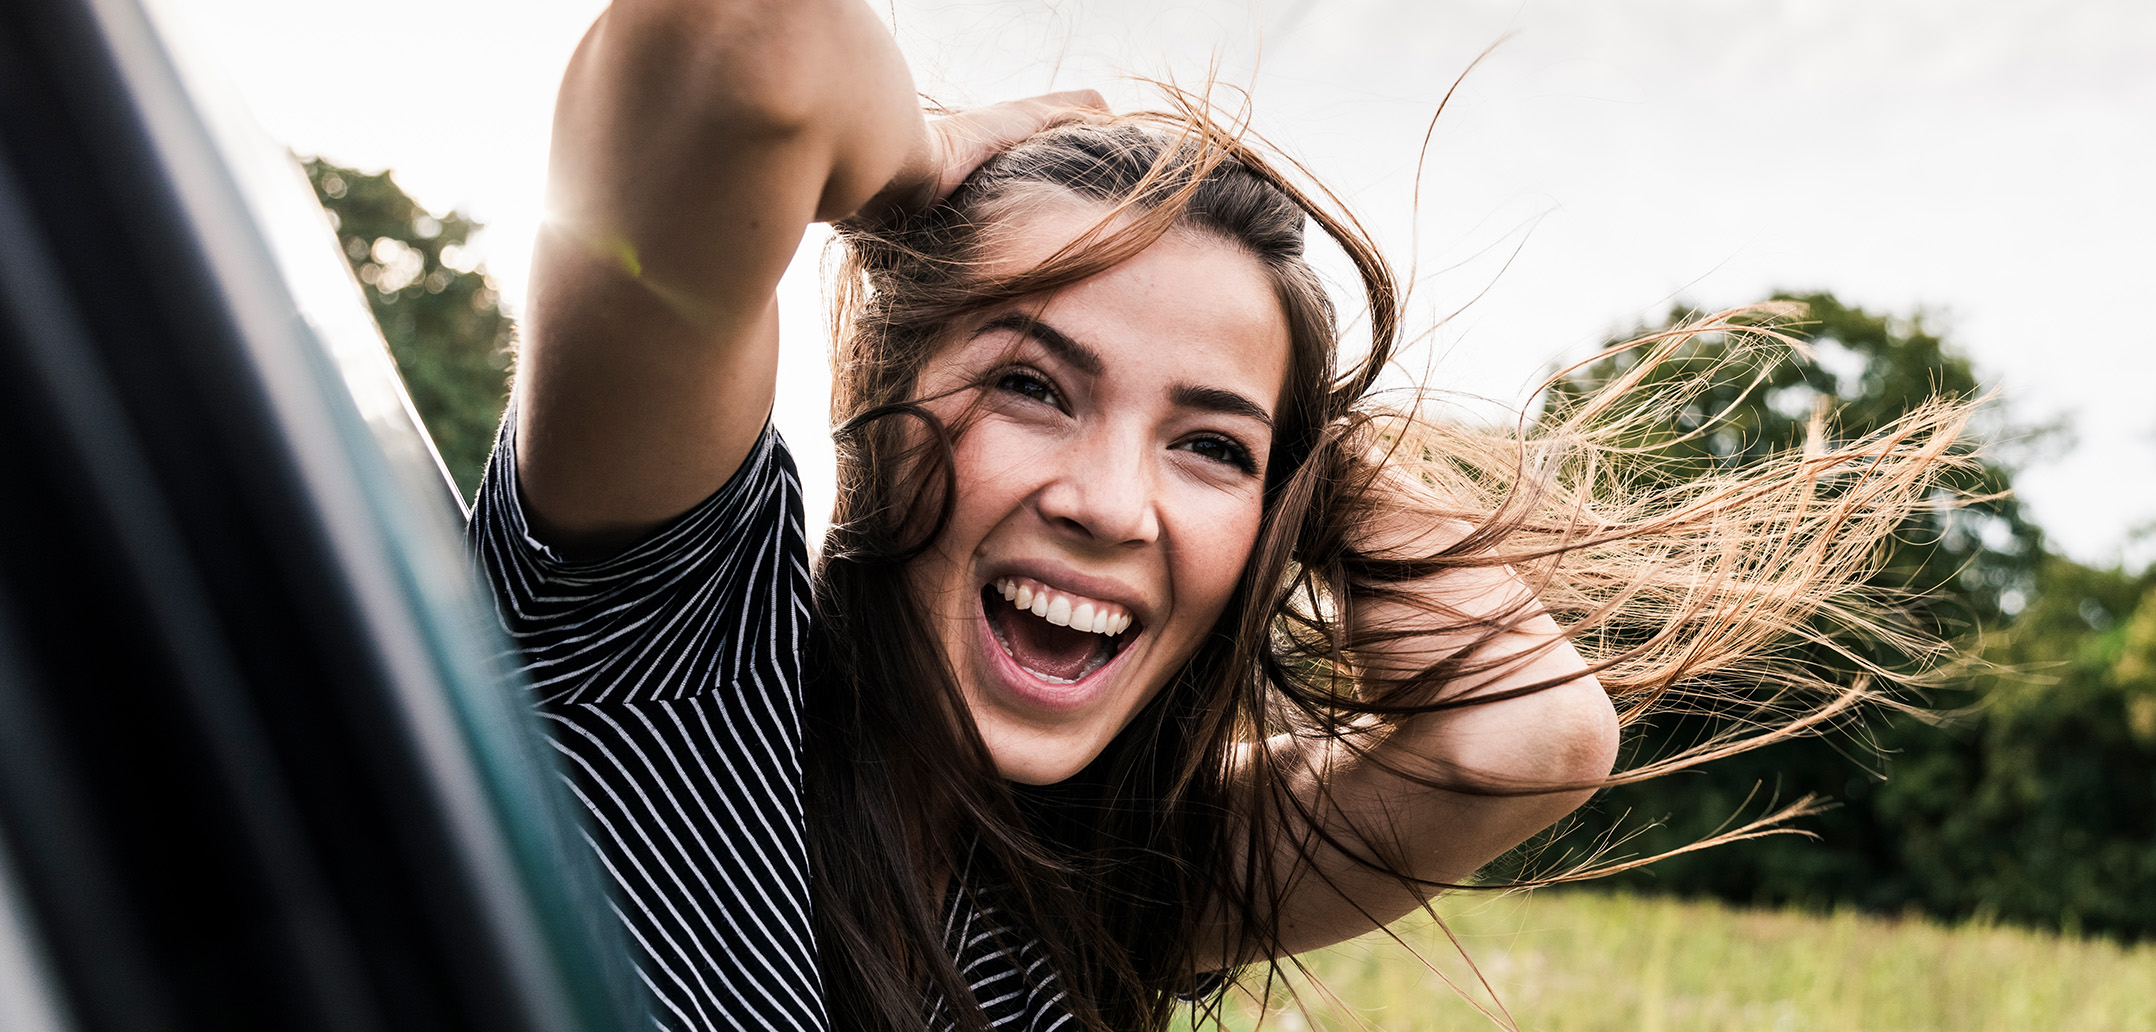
column 1215, row 549
column 999, row 467
column 1014, row 457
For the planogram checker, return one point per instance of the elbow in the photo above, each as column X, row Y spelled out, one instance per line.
column 1594, row 755
column 1583, row 739
column 1566, row 757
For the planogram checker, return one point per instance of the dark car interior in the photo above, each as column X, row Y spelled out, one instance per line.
column 262, row 764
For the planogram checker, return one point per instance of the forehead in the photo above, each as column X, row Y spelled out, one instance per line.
column 1193, row 307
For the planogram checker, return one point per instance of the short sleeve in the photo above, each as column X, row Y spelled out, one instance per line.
column 712, row 598
column 668, row 678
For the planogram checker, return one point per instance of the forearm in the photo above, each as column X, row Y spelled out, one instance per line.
column 1434, row 801
column 1516, row 734
column 1512, row 733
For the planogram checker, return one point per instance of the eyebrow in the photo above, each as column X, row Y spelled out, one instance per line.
column 1070, row 351
column 1088, row 361
column 1215, row 399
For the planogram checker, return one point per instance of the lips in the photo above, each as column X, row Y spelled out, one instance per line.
column 1054, row 640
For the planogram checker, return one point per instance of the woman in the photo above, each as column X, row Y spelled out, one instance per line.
column 1142, row 648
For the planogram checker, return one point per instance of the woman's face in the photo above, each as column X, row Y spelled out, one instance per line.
column 1110, row 478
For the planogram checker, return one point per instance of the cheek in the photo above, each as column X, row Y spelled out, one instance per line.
column 1210, row 561
column 994, row 467
column 988, row 459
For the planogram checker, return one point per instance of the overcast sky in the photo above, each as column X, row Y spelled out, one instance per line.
column 1985, row 162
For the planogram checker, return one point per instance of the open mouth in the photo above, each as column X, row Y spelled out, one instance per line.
column 1057, row 637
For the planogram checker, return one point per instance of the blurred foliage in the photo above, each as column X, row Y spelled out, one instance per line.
column 2043, row 807
column 441, row 316
column 2026, row 793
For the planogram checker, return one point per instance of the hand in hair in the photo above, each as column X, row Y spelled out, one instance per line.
column 958, row 143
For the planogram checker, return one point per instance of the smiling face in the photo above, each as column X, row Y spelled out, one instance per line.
column 1111, row 475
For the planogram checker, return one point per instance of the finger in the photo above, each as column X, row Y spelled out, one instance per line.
column 967, row 139
column 1074, row 106
column 998, row 126
column 1082, row 99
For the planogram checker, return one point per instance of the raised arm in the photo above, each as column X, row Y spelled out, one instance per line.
column 694, row 141
column 1375, row 803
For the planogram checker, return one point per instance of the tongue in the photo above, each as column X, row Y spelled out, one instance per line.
column 1044, row 648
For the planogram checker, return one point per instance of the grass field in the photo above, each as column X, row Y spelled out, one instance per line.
column 1581, row 961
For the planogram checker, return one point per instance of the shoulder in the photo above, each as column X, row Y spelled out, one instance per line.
column 714, row 598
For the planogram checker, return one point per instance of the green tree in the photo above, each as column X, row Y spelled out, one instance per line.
column 440, row 314
column 1867, row 371
column 2042, row 809
column 1964, row 566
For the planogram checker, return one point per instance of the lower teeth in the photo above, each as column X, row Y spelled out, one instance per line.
column 1098, row 661
column 1095, row 664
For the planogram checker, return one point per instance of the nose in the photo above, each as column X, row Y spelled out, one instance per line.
column 1104, row 489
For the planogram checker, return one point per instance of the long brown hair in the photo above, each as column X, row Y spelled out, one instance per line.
column 1680, row 591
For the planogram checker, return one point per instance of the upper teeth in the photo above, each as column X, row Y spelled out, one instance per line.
column 1064, row 610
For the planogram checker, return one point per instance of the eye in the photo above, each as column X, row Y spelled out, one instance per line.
column 1027, row 384
column 1224, row 450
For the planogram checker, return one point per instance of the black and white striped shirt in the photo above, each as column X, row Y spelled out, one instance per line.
column 669, row 678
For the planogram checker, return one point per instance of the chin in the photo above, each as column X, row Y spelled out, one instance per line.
column 1022, row 764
